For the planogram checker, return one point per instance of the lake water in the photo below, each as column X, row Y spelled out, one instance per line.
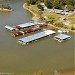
column 46, row 55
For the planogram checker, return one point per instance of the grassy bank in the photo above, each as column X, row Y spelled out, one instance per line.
column 34, row 10
column 30, row 9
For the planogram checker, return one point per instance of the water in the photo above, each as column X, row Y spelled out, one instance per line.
column 46, row 54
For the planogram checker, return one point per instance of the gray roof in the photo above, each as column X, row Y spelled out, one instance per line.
column 36, row 36
column 31, row 23
column 26, row 25
column 63, row 31
column 9, row 28
column 62, row 36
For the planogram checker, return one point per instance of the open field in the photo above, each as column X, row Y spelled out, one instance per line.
column 72, row 18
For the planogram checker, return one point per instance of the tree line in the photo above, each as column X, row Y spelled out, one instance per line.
column 56, row 4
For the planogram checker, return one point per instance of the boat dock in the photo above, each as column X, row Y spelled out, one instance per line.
column 18, row 33
column 61, row 37
column 25, row 25
column 29, row 24
column 35, row 37
column 10, row 28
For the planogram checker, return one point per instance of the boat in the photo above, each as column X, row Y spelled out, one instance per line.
column 18, row 33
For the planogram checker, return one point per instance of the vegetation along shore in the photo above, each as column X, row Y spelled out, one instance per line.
column 52, row 15
column 5, row 8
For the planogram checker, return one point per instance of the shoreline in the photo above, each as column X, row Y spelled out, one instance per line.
column 35, row 17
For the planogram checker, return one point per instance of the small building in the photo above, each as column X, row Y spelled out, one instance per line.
column 63, row 31
column 10, row 28
column 61, row 37
column 58, row 11
column 41, row 25
column 45, row 8
column 62, row 12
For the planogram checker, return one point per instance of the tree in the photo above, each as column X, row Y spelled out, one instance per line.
column 48, row 3
column 70, row 7
column 58, row 4
column 40, row 7
column 51, row 19
column 32, row 2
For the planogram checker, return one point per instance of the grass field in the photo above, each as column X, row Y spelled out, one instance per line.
column 51, row 16
column 72, row 18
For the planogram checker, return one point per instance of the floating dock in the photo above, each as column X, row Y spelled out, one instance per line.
column 10, row 28
column 62, row 37
column 25, row 25
column 21, row 26
column 35, row 37
column 29, row 24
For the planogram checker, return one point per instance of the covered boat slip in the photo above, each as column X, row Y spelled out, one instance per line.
column 10, row 28
column 29, row 24
column 37, row 36
column 61, row 37
column 25, row 25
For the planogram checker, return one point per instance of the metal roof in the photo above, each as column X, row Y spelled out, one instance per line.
column 63, row 31
column 62, row 36
column 36, row 36
column 26, row 25
column 31, row 23
column 9, row 28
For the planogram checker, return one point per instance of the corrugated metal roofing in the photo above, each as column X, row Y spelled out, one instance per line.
column 36, row 36
column 32, row 23
column 9, row 28
column 62, row 36
column 26, row 25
